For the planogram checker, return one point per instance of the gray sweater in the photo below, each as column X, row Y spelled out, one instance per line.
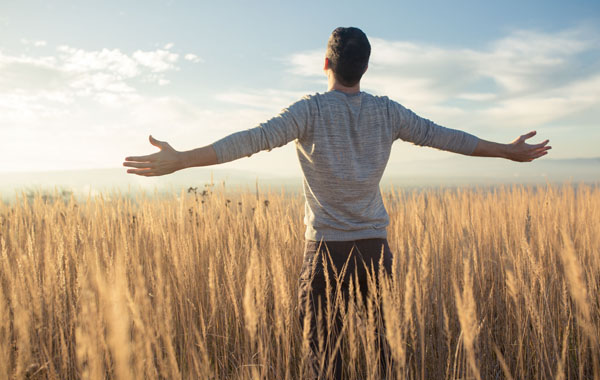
column 343, row 144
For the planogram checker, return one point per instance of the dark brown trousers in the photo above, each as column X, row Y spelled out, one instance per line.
column 359, row 257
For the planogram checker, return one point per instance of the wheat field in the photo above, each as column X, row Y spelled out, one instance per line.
column 491, row 283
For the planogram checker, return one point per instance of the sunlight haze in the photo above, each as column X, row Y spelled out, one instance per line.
column 83, row 84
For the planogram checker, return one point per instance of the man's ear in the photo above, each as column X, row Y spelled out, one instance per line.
column 327, row 64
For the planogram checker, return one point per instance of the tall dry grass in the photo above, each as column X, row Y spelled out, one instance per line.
column 496, row 283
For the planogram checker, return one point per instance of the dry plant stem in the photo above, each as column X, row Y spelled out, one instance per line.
column 485, row 283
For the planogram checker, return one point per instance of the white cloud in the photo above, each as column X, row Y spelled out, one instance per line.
column 100, row 82
column 82, row 61
column 307, row 63
column 73, row 103
column 37, row 43
column 477, row 96
column 539, row 108
column 108, row 76
column 193, row 58
column 86, row 108
column 269, row 99
column 157, row 60
column 527, row 61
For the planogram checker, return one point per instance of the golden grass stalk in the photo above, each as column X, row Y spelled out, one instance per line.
column 491, row 282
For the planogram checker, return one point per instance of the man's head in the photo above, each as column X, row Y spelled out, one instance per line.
column 348, row 52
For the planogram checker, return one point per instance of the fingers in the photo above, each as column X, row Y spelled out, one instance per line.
column 141, row 165
column 156, row 164
column 143, row 172
column 146, row 172
column 540, row 154
column 543, row 143
column 528, row 135
column 541, row 149
column 159, row 144
column 148, row 158
column 154, row 141
column 537, row 153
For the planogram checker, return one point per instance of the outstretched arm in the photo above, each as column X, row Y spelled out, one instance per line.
column 518, row 150
column 168, row 160
column 420, row 131
column 290, row 124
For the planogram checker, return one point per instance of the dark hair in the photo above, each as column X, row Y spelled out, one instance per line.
column 348, row 51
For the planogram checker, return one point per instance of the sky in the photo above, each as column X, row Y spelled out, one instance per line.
column 83, row 83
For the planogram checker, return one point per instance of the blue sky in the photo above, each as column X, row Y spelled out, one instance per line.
column 83, row 83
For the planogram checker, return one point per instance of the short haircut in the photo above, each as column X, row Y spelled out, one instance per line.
column 348, row 51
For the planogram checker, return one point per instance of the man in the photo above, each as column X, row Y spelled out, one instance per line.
column 343, row 140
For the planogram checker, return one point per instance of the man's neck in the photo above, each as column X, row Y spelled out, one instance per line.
column 333, row 84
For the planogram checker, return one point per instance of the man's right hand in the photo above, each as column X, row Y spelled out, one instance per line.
column 520, row 151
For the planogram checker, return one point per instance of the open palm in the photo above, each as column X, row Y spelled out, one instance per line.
column 166, row 161
column 520, row 151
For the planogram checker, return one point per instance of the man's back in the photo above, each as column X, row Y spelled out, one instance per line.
column 343, row 143
column 343, row 154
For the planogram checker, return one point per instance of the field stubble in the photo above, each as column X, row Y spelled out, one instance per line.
column 495, row 283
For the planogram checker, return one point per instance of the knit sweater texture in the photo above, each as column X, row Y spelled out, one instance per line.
column 343, row 142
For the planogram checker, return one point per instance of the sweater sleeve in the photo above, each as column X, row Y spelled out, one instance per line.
column 420, row 131
column 289, row 125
